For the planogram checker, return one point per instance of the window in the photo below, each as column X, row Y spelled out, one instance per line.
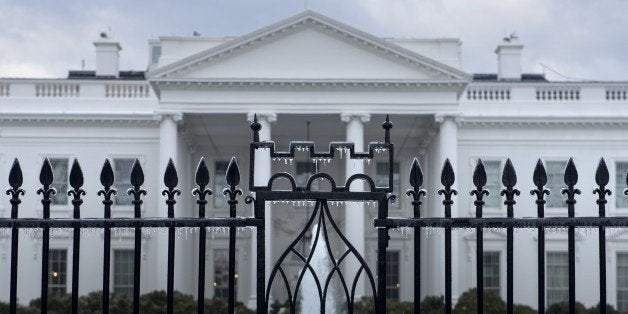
column 491, row 272
column 221, row 273
column 392, row 275
column 381, row 179
column 58, row 270
column 555, row 182
column 622, row 282
column 60, row 180
column 493, row 184
column 557, row 277
column 122, row 174
column 305, row 170
column 123, row 272
column 220, row 183
column 620, row 183
column 155, row 54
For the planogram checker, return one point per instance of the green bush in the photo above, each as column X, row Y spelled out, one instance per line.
column 609, row 309
column 467, row 303
column 524, row 309
column 433, row 305
column 563, row 307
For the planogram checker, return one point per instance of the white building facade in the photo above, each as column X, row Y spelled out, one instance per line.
column 316, row 78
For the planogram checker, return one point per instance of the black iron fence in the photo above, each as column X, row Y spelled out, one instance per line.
column 321, row 216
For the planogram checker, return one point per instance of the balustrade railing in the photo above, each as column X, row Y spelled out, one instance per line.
column 127, row 90
column 57, row 89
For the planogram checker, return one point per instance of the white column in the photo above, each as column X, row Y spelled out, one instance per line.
column 355, row 212
column 168, row 148
column 263, row 171
column 447, row 149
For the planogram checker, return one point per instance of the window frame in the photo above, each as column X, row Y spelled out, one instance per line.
column 389, row 273
column 558, row 210
column 396, row 206
column 547, row 272
column 487, row 210
column 68, row 266
column 222, row 179
column 119, row 208
column 493, row 241
column 499, row 269
column 618, row 191
column 114, row 286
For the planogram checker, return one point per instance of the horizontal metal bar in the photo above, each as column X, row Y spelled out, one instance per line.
column 313, row 196
column 129, row 222
column 502, row 222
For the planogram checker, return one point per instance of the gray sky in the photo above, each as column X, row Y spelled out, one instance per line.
column 579, row 38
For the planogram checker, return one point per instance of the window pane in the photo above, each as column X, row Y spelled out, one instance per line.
column 122, row 175
column 493, row 184
column 491, row 272
column 622, row 282
column 221, row 273
column 57, row 268
column 620, row 184
column 123, row 272
column 220, row 183
column 155, row 54
column 555, row 182
column 557, row 270
column 381, row 180
column 392, row 275
column 60, row 180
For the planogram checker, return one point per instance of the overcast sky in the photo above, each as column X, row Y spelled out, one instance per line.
column 580, row 39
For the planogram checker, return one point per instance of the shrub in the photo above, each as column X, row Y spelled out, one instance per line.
column 563, row 307
column 468, row 303
column 524, row 309
column 433, row 305
column 596, row 309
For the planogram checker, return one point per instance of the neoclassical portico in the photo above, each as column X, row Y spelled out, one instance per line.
column 309, row 68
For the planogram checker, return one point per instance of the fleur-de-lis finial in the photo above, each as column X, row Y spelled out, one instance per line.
column 76, row 182
column 447, row 179
column 539, row 177
column 137, row 179
column 416, row 180
column 479, row 180
column 509, row 180
column 601, row 179
column 171, row 179
column 202, row 180
column 233, row 179
column 46, row 178
column 570, row 178
column 106, row 180
column 15, row 181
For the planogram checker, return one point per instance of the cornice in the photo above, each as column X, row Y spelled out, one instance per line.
column 544, row 121
column 133, row 119
column 305, row 83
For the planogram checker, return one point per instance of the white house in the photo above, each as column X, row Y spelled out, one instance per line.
column 311, row 76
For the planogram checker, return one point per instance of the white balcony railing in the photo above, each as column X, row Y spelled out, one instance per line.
column 5, row 89
column 488, row 93
column 617, row 93
column 127, row 90
column 57, row 89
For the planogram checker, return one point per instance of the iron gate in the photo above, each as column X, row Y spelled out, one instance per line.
column 263, row 194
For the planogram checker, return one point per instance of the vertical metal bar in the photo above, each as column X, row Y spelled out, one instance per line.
column 137, row 179
column 46, row 192
column 509, row 269
column 76, row 248
column 200, row 299
column 170, row 279
column 602, row 178
column 15, row 180
column 416, row 180
column 540, row 179
column 540, row 205
column 479, row 247
column 382, row 245
column 571, row 178
column 232, row 258
column 509, row 179
column 447, row 179
column 262, row 307
column 106, row 259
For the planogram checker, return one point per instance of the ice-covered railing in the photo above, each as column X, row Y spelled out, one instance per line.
column 335, row 149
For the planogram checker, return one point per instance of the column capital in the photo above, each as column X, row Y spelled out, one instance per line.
column 346, row 117
column 441, row 117
column 271, row 117
column 177, row 117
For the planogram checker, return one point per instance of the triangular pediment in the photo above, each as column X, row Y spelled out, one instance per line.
column 308, row 46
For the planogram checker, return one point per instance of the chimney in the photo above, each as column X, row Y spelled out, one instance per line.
column 107, row 56
column 509, row 58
